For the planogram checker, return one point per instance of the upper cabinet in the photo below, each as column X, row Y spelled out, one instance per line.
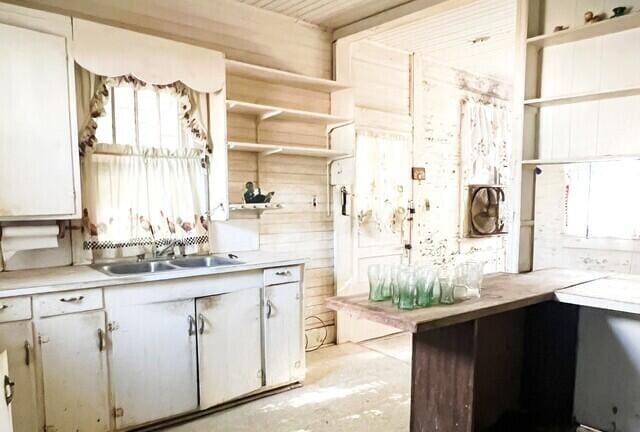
column 39, row 168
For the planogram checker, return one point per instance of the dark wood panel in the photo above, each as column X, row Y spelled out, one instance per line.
column 551, row 337
column 498, row 362
column 442, row 379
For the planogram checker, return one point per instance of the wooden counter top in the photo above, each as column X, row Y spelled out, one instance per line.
column 501, row 292
column 615, row 293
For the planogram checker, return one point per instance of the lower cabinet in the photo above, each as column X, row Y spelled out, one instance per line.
column 6, row 423
column 74, row 369
column 17, row 339
column 284, row 351
column 229, row 345
column 153, row 361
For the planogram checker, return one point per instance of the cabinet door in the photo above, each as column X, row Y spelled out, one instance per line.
column 5, row 405
column 17, row 339
column 284, row 354
column 38, row 154
column 229, row 345
column 153, row 361
column 74, row 369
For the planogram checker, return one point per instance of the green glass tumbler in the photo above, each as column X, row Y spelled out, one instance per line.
column 407, row 288
column 424, row 287
column 375, row 283
column 447, row 288
column 395, row 292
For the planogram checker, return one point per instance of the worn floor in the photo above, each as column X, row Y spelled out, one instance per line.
column 349, row 387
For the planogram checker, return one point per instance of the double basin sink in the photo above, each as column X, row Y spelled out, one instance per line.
column 154, row 266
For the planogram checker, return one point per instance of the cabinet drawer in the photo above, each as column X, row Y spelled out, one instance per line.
column 15, row 309
column 68, row 302
column 280, row 275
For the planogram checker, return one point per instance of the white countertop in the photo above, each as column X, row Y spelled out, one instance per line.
column 55, row 279
column 619, row 292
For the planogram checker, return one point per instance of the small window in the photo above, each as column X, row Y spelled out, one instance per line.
column 598, row 203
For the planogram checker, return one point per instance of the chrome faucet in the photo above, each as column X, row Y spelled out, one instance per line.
column 167, row 251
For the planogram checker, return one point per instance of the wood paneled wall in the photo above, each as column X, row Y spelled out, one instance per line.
column 255, row 36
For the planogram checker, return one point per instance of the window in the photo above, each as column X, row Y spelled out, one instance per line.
column 145, row 178
column 598, row 202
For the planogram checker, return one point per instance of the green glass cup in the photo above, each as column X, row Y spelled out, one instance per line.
column 375, row 283
column 407, row 288
column 447, row 288
column 385, row 281
column 395, row 292
column 424, row 287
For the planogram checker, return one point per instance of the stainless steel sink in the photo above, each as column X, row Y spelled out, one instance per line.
column 136, row 268
column 205, row 261
column 144, row 267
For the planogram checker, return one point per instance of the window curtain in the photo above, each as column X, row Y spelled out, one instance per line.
column 485, row 136
column 382, row 190
column 139, row 198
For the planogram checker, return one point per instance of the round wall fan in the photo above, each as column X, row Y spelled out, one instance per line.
column 484, row 210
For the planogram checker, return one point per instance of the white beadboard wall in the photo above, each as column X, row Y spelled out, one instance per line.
column 260, row 37
column 437, row 228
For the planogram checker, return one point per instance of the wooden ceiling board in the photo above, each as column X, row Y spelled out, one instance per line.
column 326, row 13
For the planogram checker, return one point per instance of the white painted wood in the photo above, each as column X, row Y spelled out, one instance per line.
column 284, row 349
column 613, row 294
column 261, row 73
column 6, row 423
column 219, row 164
column 68, row 302
column 153, row 360
column 607, row 370
column 74, row 370
column 17, row 339
column 15, row 309
column 229, row 346
column 39, row 176
column 265, row 112
column 268, row 149
column 586, row 159
column 583, row 97
column 281, row 275
column 236, row 235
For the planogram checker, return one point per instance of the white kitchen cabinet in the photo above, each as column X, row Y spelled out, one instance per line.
column 284, row 353
column 39, row 162
column 74, row 370
column 5, row 400
column 153, row 360
column 229, row 345
column 17, row 339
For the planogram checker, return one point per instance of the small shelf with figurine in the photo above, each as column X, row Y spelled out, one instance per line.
column 598, row 25
column 255, row 200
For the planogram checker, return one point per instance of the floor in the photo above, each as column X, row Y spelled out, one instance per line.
column 349, row 387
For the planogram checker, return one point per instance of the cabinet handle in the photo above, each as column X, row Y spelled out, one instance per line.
column 27, row 353
column 101, row 341
column 8, row 389
column 192, row 323
column 3, row 307
column 283, row 273
column 201, row 319
column 269, row 308
column 71, row 299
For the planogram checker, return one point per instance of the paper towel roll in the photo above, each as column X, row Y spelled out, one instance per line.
column 21, row 238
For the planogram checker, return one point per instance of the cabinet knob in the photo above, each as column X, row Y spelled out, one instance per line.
column 269, row 308
column 3, row 307
column 192, row 325
column 101, row 341
column 284, row 273
column 201, row 319
column 8, row 389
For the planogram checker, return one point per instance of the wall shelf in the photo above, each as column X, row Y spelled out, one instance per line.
column 585, row 159
column 276, row 76
column 265, row 112
column 270, row 149
column 587, row 31
column 255, row 207
column 582, row 97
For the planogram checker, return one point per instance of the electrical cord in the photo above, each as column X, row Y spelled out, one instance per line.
column 324, row 338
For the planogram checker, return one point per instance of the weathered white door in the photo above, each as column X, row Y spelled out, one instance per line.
column 5, row 401
column 153, row 361
column 284, row 361
column 38, row 154
column 74, row 370
column 229, row 345
column 17, row 339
